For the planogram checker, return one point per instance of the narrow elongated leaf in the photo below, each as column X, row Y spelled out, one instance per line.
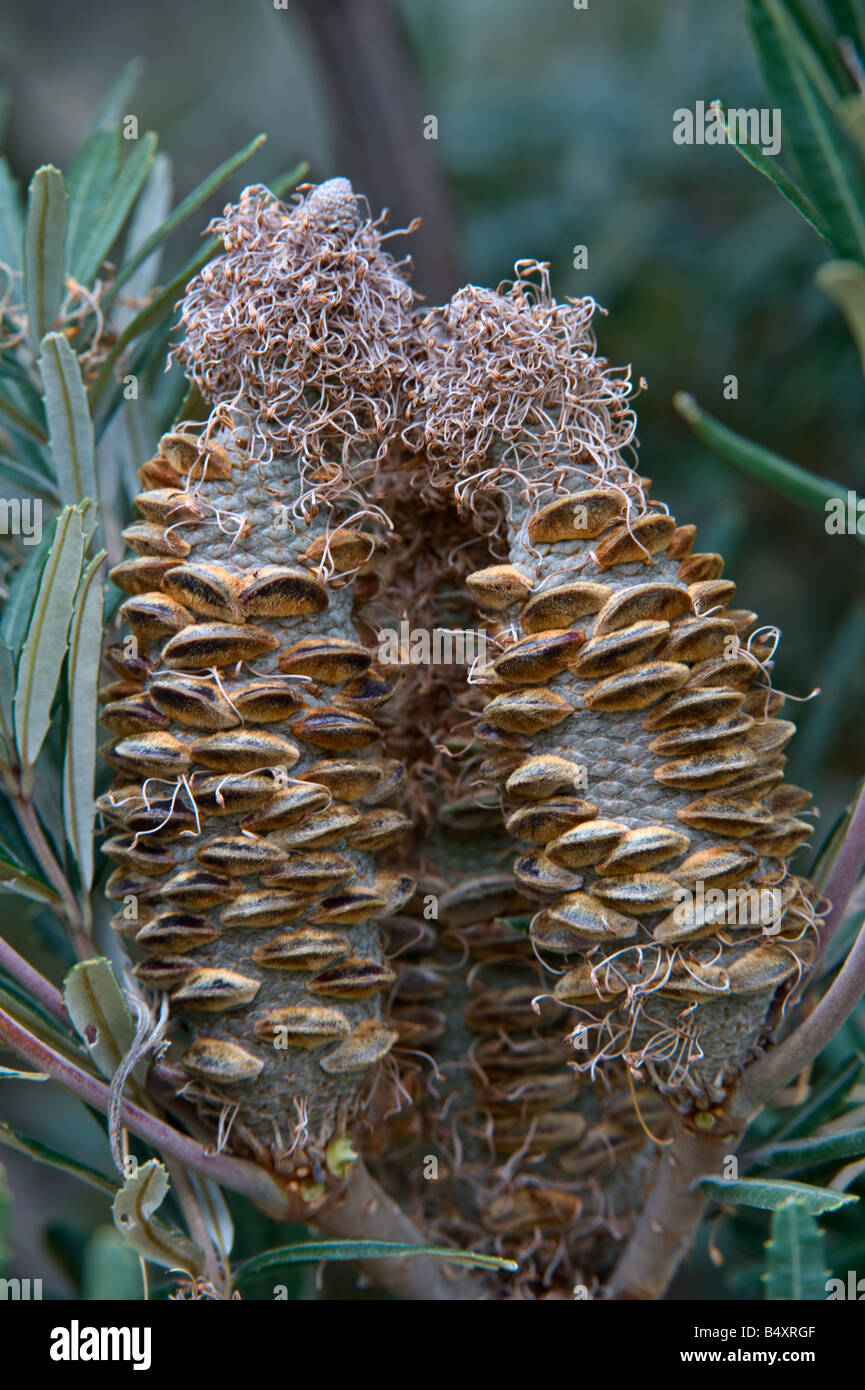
column 787, row 186
column 7, row 693
column 825, row 163
column 112, row 1270
column 11, row 218
column 42, row 1153
column 79, row 769
column 15, row 474
column 90, row 181
column 311, row 1251
column 20, row 422
column 23, row 588
column 14, row 879
column 69, row 423
column 45, row 646
column 100, row 1013
column 812, row 1153
column 116, row 104
column 216, row 1213
column 849, row 20
column 825, row 1102
column 11, row 1074
column 768, row 467
column 796, row 1266
column 190, row 204
column 844, row 282
column 117, row 205
column 769, row 1194
column 44, row 249
column 133, row 1209
column 149, row 214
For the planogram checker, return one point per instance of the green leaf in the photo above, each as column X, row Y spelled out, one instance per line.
column 69, row 423
column 90, row 181
column 760, row 463
column 844, row 283
column 44, row 249
column 17, row 475
column 23, row 588
column 116, row 207
column 79, row 770
column 133, row 1211
column 796, row 1269
column 768, row 1195
column 11, row 218
column 20, row 422
column 849, row 19
column 100, row 1013
column 823, row 1104
column 150, row 212
column 47, row 634
column 824, row 160
column 217, row 1216
column 812, row 1153
column 10, row 1074
column 190, row 204
column 112, row 1270
column 768, row 166
column 45, row 645
column 42, row 1153
column 116, row 104
column 311, row 1251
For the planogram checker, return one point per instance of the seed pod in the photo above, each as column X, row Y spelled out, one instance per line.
column 310, row 872
column 282, row 593
column 153, row 755
column 376, row 830
column 711, row 593
column 153, row 616
column 337, row 730
column 368, row 1044
column 715, row 768
column 544, row 821
column 195, row 701
column 697, row 639
column 215, row 990
column 617, row 651
column 346, row 778
column 208, row 590
column 355, row 978
column 641, row 603
column 221, row 1061
column 239, row 854
column 146, row 538
column 141, row 575
column 579, row 516
column 585, row 844
column 538, row 658
column 308, row 948
column 500, row 586
column 197, row 888
column 696, row 568
column 585, row 918
column 725, row 816
column 242, row 750
column 637, row 540
column 167, row 505
column 642, row 848
column 263, row 907
column 302, row 1025
column 700, row 737
column 582, row 985
column 136, row 714
column 537, row 871
column 176, row 932
column 266, row 702
column 344, row 550
column 541, row 776
column 322, row 829
column 194, row 457
column 637, row 687
column 288, row 808
column 216, row 644
column 329, row 660
column 559, row 607
column 528, row 711
column 716, row 867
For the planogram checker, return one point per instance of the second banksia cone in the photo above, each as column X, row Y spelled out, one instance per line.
column 632, row 724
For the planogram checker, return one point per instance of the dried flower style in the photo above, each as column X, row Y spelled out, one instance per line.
column 300, row 329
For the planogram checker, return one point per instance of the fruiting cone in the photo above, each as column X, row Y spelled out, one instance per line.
column 632, row 726
column 251, row 794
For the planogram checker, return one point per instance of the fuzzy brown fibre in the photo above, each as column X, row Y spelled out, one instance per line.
column 301, row 329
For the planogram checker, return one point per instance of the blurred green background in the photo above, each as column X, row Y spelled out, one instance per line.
column 554, row 130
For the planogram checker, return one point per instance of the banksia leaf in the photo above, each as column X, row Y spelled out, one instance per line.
column 134, row 1209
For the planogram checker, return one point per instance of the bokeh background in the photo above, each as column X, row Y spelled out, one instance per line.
column 553, row 130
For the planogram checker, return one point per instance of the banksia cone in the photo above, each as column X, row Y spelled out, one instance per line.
column 632, row 724
column 251, row 796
